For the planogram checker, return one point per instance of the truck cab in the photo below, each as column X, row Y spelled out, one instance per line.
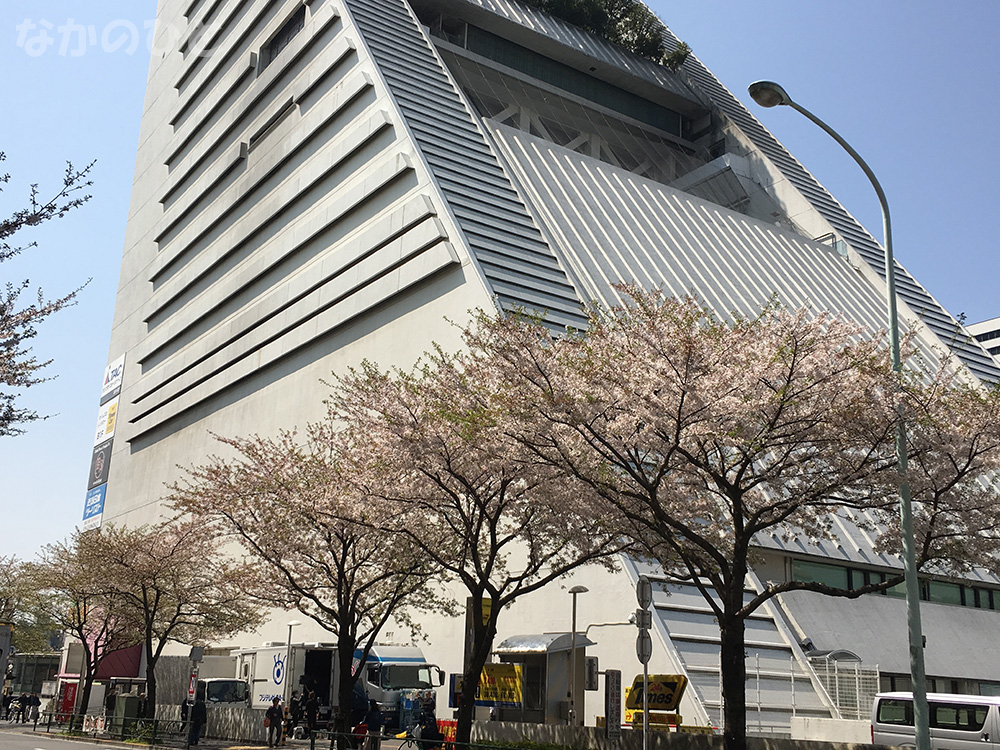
column 217, row 690
column 392, row 674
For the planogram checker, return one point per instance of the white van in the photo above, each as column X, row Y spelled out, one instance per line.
column 957, row 722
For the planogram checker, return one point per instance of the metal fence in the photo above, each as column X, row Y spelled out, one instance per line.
column 851, row 686
column 154, row 732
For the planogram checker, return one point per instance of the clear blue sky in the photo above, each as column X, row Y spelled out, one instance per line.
column 912, row 84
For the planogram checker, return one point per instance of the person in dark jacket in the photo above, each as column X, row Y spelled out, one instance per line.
column 109, row 702
column 274, row 716
column 374, row 721
column 312, row 711
column 198, row 716
column 429, row 734
column 296, row 706
column 34, row 706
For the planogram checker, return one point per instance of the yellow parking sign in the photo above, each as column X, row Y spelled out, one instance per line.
column 665, row 692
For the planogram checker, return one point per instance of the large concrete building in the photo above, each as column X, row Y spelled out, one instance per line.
column 987, row 332
column 324, row 181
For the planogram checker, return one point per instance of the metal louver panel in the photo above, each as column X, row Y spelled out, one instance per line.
column 930, row 311
column 515, row 259
column 611, row 226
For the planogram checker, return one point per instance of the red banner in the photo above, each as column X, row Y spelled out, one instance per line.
column 67, row 698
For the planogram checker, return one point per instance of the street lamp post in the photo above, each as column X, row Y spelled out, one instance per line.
column 571, row 682
column 288, row 661
column 770, row 94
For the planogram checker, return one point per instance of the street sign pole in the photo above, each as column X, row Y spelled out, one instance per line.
column 644, row 647
column 645, row 706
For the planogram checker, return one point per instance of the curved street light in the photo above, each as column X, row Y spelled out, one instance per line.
column 770, row 94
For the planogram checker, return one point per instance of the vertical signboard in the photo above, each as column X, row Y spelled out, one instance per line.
column 613, row 704
column 6, row 631
column 100, row 459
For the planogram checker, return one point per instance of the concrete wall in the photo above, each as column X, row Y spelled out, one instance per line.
column 831, row 730
column 239, row 724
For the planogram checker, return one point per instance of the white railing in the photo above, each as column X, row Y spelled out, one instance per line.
column 851, row 686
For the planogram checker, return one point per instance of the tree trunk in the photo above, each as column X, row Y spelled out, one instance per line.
column 343, row 723
column 87, row 675
column 151, row 660
column 482, row 634
column 734, row 676
column 87, row 686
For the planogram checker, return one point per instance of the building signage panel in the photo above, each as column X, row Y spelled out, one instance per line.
column 107, row 417
column 499, row 685
column 93, row 509
column 665, row 692
column 112, row 384
column 100, row 465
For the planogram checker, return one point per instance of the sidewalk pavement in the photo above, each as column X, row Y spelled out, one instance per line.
column 7, row 727
column 204, row 744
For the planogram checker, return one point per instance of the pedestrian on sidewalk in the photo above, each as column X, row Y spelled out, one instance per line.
column 272, row 720
column 198, row 716
column 374, row 721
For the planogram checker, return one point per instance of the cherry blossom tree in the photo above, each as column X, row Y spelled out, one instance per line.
column 15, row 587
column 73, row 595
column 701, row 434
column 19, row 369
column 953, row 434
column 434, row 446
column 309, row 533
column 173, row 580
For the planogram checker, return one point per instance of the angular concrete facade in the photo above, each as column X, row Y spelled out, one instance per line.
column 324, row 181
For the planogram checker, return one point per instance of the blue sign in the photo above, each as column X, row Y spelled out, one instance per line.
column 94, row 506
column 278, row 674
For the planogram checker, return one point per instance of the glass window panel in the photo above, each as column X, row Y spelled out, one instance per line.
column 813, row 572
column 893, row 711
column 945, row 593
column 961, row 716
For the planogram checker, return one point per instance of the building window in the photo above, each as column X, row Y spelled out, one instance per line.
column 989, row 688
column 814, row 572
column 939, row 592
column 944, row 593
column 989, row 335
column 285, row 34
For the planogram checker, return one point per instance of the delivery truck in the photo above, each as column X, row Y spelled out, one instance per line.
column 389, row 673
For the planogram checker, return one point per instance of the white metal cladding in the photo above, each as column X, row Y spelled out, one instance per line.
column 780, row 682
column 872, row 626
column 614, row 226
column 912, row 293
column 515, row 260
column 292, row 203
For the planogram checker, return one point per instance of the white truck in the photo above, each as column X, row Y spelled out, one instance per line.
column 390, row 675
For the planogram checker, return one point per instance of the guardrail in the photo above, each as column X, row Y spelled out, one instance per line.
column 153, row 732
